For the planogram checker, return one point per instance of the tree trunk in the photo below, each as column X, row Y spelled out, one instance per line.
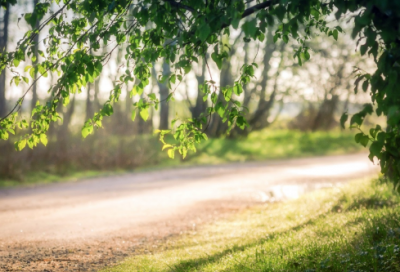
column 325, row 117
column 201, row 105
column 89, row 102
column 36, row 54
column 164, row 105
column 259, row 119
column 63, row 137
column 217, row 127
column 3, row 47
column 63, row 130
column 246, row 92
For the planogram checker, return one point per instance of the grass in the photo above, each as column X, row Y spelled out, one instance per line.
column 41, row 177
column 354, row 228
column 107, row 155
column 275, row 144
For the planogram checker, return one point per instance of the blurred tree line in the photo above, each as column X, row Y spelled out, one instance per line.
column 309, row 99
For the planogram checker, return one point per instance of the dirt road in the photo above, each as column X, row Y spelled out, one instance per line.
column 88, row 224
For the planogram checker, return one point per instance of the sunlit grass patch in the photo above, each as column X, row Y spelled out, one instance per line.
column 354, row 228
column 274, row 144
column 43, row 177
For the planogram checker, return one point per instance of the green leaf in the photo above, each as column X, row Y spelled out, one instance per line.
column 166, row 146
column 363, row 49
column 270, row 19
column 220, row 109
column 214, row 98
column 339, row 29
column 107, row 110
column 241, row 122
column 365, row 85
column 17, row 80
column 133, row 116
column 375, row 150
column 356, row 119
column 250, row 29
column 237, row 89
column 3, row 134
column 343, row 119
column 315, row 13
column 171, row 153
column 32, row 72
column 364, row 140
column 280, row 12
column 21, row 144
column 235, row 22
column 306, row 55
column 335, row 34
column 204, row 32
column 228, row 94
column 152, row 97
column 261, row 37
column 86, row 130
column 43, row 139
column 217, row 59
column 16, row 62
column 173, row 78
column 361, row 138
column 30, row 143
column 144, row 113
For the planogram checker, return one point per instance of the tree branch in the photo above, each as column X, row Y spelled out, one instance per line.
column 254, row 9
column 258, row 7
column 179, row 5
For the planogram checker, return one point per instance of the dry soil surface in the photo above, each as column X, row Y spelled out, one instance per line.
column 89, row 224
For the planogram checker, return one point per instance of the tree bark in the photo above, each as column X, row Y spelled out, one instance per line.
column 200, row 106
column 3, row 47
column 89, row 102
column 325, row 117
column 217, row 127
column 164, row 105
column 63, row 130
column 259, row 118
column 36, row 54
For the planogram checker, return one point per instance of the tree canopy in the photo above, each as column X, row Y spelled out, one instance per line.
column 181, row 32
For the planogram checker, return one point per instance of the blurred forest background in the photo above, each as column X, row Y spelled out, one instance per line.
column 293, row 110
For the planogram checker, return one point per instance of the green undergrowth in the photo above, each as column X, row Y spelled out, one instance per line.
column 353, row 228
column 111, row 154
column 41, row 177
column 275, row 144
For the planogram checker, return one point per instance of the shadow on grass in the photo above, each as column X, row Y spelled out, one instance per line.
column 376, row 248
column 197, row 263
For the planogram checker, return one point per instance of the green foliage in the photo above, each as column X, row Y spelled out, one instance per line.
column 179, row 32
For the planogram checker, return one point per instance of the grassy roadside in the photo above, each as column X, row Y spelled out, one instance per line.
column 354, row 228
column 260, row 145
column 42, row 177
column 275, row 144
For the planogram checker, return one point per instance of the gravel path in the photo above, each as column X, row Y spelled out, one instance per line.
column 86, row 225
